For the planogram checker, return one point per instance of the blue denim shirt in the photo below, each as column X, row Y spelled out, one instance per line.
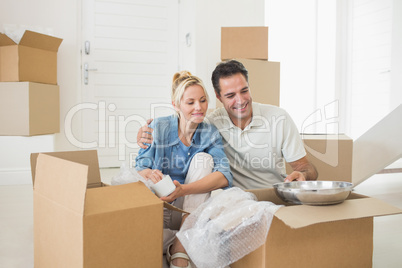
column 165, row 144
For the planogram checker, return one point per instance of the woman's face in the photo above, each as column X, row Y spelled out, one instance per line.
column 193, row 105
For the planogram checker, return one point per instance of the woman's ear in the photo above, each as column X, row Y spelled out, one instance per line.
column 175, row 107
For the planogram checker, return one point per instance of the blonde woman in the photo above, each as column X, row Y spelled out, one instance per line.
column 191, row 152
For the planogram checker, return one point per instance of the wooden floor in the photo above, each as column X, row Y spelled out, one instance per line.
column 16, row 227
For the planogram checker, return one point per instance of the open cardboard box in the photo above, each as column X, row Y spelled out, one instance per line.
column 34, row 59
column 78, row 222
column 319, row 236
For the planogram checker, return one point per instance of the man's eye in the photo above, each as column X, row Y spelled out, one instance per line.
column 230, row 96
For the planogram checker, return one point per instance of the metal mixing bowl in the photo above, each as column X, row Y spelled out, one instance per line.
column 313, row 192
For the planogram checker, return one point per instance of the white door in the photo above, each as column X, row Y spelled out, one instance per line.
column 129, row 54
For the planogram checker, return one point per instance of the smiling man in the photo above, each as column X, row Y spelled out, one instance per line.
column 257, row 137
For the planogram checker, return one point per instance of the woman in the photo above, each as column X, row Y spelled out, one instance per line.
column 191, row 152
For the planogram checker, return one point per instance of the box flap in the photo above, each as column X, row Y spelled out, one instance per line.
column 88, row 158
column 303, row 215
column 119, row 197
column 267, row 194
column 41, row 41
column 123, row 227
column 5, row 40
column 171, row 207
column 61, row 181
column 384, row 138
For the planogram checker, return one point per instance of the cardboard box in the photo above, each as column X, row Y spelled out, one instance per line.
column 34, row 59
column 244, row 42
column 28, row 109
column 319, row 236
column 331, row 154
column 77, row 226
column 264, row 81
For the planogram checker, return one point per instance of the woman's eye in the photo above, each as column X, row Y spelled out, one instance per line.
column 203, row 100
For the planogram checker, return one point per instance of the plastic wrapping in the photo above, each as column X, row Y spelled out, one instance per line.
column 226, row 227
column 129, row 175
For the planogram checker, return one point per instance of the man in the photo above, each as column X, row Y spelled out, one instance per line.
column 257, row 137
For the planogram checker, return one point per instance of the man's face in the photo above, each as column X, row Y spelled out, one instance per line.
column 236, row 98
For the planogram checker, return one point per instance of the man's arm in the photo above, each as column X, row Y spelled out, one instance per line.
column 302, row 170
column 144, row 135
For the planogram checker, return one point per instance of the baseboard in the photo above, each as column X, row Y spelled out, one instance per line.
column 390, row 170
column 15, row 176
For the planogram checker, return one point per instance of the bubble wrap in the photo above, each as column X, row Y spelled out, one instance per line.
column 225, row 228
column 128, row 175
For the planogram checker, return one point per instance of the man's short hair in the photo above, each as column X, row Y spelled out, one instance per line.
column 226, row 69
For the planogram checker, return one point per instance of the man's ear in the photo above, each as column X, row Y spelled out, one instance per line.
column 218, row 96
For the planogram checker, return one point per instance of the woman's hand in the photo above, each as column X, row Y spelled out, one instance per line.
column 178, row 192
column 154, row 175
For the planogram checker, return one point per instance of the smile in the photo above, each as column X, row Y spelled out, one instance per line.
column 240, row 108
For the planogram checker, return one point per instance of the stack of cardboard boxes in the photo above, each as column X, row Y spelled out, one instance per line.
column 249, row 45
column 29, row 94
column 330, row 153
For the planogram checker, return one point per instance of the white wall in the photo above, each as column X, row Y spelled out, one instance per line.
column 370, row 26
column 61, row 19
column 396, row 59
column 302, row 38
column 371, row 61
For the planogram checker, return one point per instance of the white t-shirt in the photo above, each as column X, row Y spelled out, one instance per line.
column 269, row 139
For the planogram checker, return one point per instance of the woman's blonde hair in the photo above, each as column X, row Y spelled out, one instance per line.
column 181, row 81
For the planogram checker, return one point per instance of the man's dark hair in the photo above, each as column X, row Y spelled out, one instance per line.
column 227, row 69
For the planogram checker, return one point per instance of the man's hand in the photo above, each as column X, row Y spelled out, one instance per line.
column 303, row 171
column 143, row 135
column 295, row 176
